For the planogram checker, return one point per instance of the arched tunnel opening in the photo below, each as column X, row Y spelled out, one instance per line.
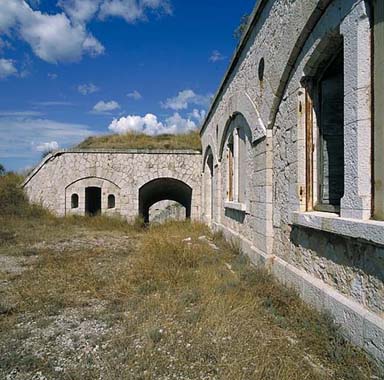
column 164, row 189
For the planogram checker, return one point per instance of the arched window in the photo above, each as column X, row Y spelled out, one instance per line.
column 74, row 201
column 237, row 161
column 111, row 201
column 231, row 168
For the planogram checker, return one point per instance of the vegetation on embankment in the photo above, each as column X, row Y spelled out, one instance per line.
column 189, row 140
column 90, row 298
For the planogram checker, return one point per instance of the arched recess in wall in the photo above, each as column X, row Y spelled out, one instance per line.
column 300, row 47
column 161, row 189
column 91, row 190
column 210, row 149
column 241, row 103
column 323, row 86
column 90, row 178
column 208, row 183
column 234, row 147
column 239, row 120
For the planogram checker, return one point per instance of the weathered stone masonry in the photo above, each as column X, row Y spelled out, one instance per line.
column 119, row 173
column 291, row 126
column 292, row 164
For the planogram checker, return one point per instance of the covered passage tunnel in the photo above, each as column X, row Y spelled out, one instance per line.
column 164, row 189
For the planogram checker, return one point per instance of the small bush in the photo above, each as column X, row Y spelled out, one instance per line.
column 12, row 197
column 13, row 201
column 155, row 335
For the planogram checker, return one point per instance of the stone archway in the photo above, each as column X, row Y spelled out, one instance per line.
column 164, row 189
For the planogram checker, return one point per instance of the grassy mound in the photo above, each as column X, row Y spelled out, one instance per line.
column 189, row 140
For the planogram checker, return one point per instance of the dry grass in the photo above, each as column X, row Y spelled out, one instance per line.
column 141, row 141
column 101, row 299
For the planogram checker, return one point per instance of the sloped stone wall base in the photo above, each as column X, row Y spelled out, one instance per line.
column 362, row 327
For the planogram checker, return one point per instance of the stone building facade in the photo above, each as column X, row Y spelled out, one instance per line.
column 292, row 155
column 126, row 183
column 292, row 164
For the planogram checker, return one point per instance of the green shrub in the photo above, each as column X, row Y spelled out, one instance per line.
column 13, row 201
column 12, row 197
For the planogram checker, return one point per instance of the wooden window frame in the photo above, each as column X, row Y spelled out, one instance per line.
column 313, row 143
column 309, row 148
column 378, row 113
column 230, row 170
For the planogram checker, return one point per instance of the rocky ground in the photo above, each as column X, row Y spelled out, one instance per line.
column 103, row 301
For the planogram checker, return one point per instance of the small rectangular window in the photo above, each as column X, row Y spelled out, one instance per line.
column 74, row 201
column 111, row 201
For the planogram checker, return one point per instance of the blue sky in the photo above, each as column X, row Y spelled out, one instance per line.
column 74, row 68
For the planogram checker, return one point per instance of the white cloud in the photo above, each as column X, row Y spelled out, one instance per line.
column 47, row 146
column 4, row 44
column 87, row 88
column 20, row 136
column 184, row 99
column 7, row 68
column 52, row 37
column 177, row 124
column 132, row 10
column 92, row 46
column 150, row 124
column 63, row 37
column 8, row 13
column 135, row 95
column 198, row 115
column 80, row 11
column 102, row 107
column 216, row 56
column 52, row 76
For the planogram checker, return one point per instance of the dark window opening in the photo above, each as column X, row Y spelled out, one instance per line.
column 74, row 201
column 231, row 170
column 331, row 133
column 93, row 200
column 111, row 201
column 261, row 69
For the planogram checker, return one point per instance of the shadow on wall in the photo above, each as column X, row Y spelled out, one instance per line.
column 238, row 216
column 164, row 189
column 341, row 250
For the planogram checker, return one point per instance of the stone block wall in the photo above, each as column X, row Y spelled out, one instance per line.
column 336, row 256
column 119, row 173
